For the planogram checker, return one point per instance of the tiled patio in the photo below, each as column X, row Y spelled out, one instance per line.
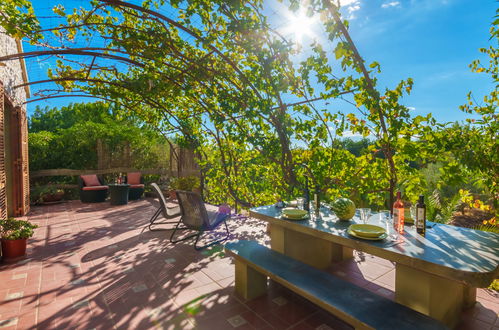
column 96, row 266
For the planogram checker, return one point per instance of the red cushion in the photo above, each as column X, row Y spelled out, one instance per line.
column 136, row 186
column 133, row 178
column 91, row 180
column 95, row 188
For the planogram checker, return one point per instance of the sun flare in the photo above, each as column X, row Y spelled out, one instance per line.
column 300, row 25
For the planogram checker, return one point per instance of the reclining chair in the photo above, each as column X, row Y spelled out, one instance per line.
column 194, row 216
column 164, row 210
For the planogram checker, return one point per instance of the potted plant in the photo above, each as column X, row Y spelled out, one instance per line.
column 14, row 235
column 46, row 194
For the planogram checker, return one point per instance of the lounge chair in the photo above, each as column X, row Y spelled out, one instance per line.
column 92, row 189
column 163, row 209
column 194, row 216
column 136, row 183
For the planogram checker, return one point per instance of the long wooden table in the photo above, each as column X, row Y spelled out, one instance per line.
column 436, row 275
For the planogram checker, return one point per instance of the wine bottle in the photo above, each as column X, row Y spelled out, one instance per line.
column 306, row 196
column 421, row 216
column 317, row 201
column 398, row 214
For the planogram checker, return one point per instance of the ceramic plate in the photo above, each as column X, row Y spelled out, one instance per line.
column 366, row 230
column 294, row 213
column 296, row 219
column 352, row 233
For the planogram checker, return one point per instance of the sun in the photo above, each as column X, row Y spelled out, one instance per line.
column 300, row 25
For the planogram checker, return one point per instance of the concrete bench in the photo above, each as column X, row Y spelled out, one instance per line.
column 357, row 306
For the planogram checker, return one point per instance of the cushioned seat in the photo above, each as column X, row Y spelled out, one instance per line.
column 95, row 188
column 92, row 189
column 134, row 179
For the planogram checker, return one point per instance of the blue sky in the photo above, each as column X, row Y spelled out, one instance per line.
column 431, row 41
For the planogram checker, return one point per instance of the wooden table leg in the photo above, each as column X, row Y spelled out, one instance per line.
column 249, row 283
column 340, row 252
column 469, row 296
column 311, row 250
column 441, row 298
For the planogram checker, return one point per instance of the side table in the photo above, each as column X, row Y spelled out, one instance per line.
column 118, row 193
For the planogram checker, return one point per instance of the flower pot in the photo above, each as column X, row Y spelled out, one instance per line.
column 173, row 194
column 55, row 197
column 13, row 249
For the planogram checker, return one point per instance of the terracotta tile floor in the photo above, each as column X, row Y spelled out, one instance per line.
column 94, row 266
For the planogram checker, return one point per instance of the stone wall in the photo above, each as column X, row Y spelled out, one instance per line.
column 11, row 74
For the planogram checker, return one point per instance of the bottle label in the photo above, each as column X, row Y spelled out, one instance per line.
column 396, row 218
column 420, row 217
column 400, row 225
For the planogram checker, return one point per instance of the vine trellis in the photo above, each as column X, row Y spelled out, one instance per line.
column 228, row 84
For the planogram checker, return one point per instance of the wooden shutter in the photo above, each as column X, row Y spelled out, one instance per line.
column 3, row 192
column 25, row 160
column 15, row 198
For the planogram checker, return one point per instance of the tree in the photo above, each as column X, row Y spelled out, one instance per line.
column 476, row 145
column 68, row 137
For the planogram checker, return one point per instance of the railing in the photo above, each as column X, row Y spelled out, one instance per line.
column 69, row 172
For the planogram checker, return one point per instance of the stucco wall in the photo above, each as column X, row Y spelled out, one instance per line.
column 11, row 73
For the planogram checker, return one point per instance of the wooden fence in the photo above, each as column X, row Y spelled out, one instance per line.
column 69, row 172
column 182, row 162
column 124, row 170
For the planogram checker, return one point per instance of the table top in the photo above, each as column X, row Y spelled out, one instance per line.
column 462, row 254
column 118, row 185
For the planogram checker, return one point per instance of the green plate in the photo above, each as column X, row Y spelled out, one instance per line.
column 366, row 230
column 352, row 233
column 292, row 213
column 295, row 219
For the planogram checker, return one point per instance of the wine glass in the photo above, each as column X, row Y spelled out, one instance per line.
column 365, row 213
column 387, row 219
column 299, row 203
column 383, row 216
column 413, row 213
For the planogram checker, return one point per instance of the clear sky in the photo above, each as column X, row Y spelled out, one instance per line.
column 431, row 41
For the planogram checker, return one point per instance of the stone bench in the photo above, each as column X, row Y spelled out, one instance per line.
column 356, row 306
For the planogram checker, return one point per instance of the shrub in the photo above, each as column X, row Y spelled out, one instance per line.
column 12, row 229
column 185, row 183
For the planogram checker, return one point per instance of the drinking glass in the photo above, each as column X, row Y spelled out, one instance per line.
column 299, row 203
column 365, row 213
column 384, row 216
column 413, row 213
column 387, row 219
